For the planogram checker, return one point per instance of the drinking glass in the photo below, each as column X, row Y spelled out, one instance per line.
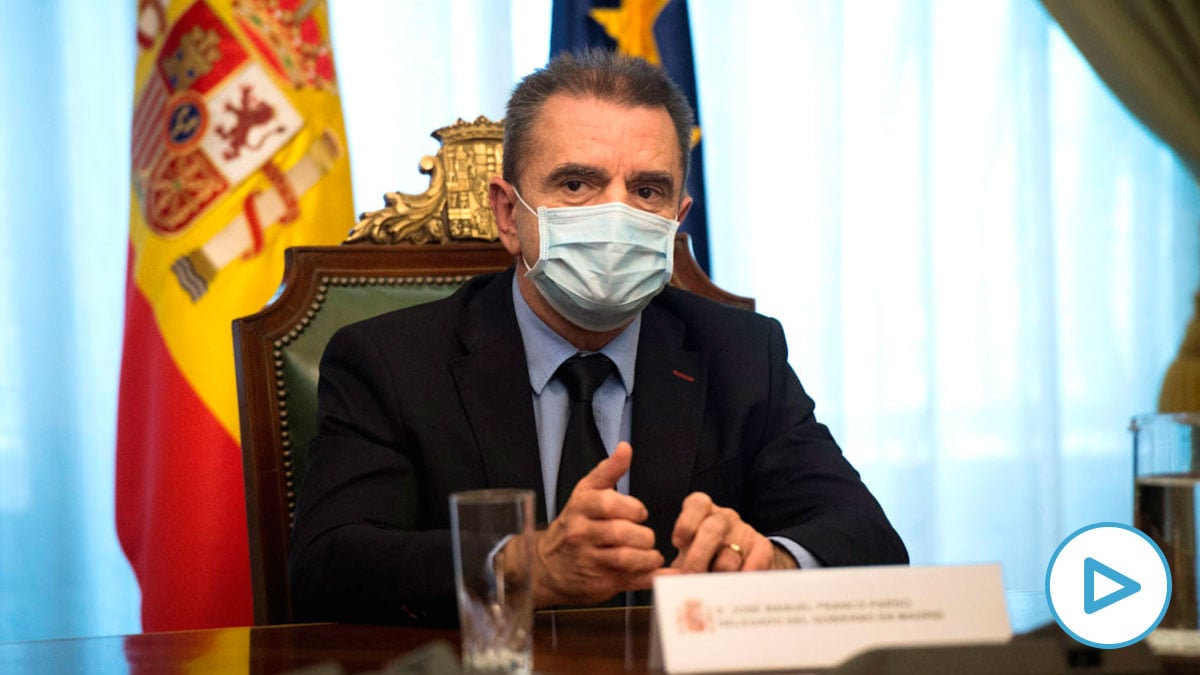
column 493, row 552
column 1166, row 469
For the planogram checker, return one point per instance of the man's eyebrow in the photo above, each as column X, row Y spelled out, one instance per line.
column 573, row 170
column 660, row 179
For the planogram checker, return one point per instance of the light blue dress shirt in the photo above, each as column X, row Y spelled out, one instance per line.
column 545, row 350
column 612, row 403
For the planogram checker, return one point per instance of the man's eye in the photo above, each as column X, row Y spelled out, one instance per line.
column 647, row 193
column 573, row 185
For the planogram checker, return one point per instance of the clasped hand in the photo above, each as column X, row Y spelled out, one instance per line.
column 597, row 546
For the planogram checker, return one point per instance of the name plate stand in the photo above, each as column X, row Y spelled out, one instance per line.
column 761, row 621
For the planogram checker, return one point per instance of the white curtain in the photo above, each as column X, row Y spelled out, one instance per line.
column 66, row 73
column 983, row 264
column 408, row 67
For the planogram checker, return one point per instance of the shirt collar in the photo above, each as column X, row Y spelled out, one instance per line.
column 545, row 350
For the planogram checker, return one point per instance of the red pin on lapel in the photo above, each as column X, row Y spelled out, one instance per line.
column 683, row 376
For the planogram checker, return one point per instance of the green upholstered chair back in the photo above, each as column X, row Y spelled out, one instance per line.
column 278, row 353
column 416, row 249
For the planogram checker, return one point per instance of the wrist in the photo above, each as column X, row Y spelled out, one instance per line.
column 782, row 559
column 543, row 587
column 522, row 551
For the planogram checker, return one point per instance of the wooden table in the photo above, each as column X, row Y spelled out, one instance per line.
column 592, row 642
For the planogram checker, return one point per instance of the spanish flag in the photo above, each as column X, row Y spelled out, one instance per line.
column 238, row 152
column 658, row 31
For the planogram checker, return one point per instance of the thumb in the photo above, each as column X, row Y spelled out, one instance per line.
column 605, row 475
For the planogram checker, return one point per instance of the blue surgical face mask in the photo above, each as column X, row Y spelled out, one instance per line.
column 598, row 266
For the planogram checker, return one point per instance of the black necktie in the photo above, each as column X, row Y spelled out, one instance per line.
column 582, row 448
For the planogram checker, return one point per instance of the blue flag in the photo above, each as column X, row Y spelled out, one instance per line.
column 658, row 31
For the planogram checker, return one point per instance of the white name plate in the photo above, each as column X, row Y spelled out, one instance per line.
column 708, row 623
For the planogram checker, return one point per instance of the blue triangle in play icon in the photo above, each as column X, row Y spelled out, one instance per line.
column 1092, row 604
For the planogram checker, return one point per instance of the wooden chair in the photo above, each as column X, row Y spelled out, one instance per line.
column 417, row 249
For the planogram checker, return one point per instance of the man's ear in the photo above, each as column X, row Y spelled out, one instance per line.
column 684, row 208
column 500, row 194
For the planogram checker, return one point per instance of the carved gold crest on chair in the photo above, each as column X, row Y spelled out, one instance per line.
column 455, row 205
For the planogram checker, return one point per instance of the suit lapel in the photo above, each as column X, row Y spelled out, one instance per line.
column 668, row 405
column 493, row 383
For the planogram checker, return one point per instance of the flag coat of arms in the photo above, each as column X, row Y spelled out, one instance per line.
column 238, row 152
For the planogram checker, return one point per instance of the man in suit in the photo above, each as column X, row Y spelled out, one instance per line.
column 710, row 458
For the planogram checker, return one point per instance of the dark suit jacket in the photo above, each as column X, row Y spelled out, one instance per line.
column 422, row 402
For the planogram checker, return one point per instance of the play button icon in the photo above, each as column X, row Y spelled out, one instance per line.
column 1108, row 585
column 1125, row 586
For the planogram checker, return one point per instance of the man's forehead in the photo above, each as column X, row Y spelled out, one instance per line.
column 563, row 111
